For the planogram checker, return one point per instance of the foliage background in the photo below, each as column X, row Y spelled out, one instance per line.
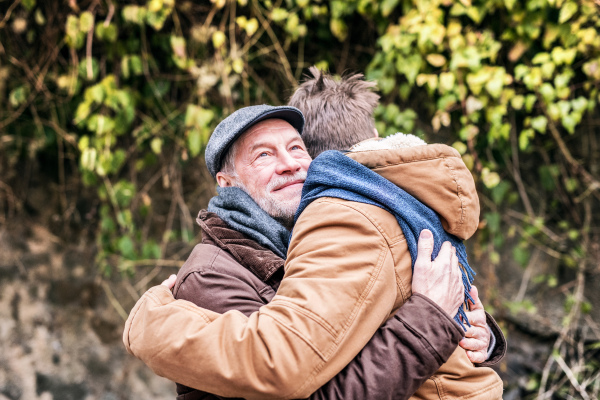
column 108, row 105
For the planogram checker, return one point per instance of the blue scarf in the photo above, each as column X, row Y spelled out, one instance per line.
column 237, row 208
column 332, row 174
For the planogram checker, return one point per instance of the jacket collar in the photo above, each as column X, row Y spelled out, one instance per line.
column 260, row 261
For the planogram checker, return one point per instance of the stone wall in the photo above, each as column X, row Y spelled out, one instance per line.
column 59, row 336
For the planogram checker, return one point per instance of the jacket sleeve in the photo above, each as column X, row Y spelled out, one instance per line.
column 335, row 295
column 402, row 354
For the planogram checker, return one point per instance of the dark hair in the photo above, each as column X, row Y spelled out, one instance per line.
column 338, row 113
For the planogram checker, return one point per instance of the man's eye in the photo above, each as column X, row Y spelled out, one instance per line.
column 296, row 147
column 263, row 154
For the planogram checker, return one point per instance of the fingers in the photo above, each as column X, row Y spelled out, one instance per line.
column 477, row 357
column 445, row 252
column 475, row 295
column 477, row 318
column 170, row 281
column 471, row 344
column 424, row 249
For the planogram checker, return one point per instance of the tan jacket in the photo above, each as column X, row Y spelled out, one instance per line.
column 348, row 270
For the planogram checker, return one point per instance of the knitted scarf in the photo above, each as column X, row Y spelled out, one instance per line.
column 237, row 208
column 332, row 174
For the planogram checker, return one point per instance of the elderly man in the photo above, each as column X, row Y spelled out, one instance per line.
column 270, row 161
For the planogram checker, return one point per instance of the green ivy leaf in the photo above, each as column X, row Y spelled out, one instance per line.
column 279, row 14
column 194, row 142
column 539, row 123
column 567, row 11
column 86, row 21
column 126, row 247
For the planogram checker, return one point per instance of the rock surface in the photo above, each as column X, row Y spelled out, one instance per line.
column 59, row 336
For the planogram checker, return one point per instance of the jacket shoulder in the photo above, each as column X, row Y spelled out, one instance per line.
column 211, row 278
column 325, row 208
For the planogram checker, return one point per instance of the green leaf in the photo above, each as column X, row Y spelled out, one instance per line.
column 18, row 96
column 29, row 4
column 521, row 255
column 151, row 250
column 156, row 145
column 539, row 123
column 493, row 221
column 251, row 27
column 124, row 192
column 524, row 138
column 134, row 14
column 86, row 21
column 194, row 142
column 386, row 84
column 82, row 112
column 126, row 247
column 499, row 193
column 567, row 11
column 218, row 39
column 579, row 104
column 547, row 176
column 437, row 60
column 83, row 69
column 40, row 19
column 460, row 147
column 569, row 122
column 279, row 14
column 490, row 179
column 387, row 6
column 339, row 29
column 540, row 58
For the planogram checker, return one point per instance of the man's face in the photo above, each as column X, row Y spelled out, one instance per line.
column 271, row 163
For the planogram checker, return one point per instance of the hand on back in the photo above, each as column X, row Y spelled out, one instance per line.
column 441, row 279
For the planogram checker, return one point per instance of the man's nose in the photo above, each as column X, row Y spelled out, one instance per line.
column 286, row 163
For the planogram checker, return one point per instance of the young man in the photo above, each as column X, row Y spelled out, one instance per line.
column 325, row 310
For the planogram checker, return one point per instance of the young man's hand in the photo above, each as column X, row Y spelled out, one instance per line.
column 477, row 336
column 170, row 281
column 441, row 279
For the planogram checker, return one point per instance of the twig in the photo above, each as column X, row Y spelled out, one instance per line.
column 282, row 57
column 544, row 229
column 537, row 243
column 111, row 12
column 273, row 97
column 155, row 262
column 571, row 376
column 146, row 279
column 576, row 166
column 8, row 13
column 88, row 52
column 132, row 292
column 113, row 301
column 527, row 275
column 517, row 170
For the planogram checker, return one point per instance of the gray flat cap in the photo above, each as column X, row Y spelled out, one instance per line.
column 237, row 123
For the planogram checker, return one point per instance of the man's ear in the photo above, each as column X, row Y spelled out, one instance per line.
column 375, row 132
column 224, row 180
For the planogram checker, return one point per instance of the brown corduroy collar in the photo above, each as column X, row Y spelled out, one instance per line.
column 262, row 262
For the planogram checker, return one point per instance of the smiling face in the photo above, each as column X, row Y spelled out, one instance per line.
column 270, row 163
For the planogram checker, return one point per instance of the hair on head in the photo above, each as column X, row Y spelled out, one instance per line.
column 338, row 113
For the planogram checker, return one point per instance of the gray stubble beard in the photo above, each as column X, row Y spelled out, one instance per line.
column 283, row 211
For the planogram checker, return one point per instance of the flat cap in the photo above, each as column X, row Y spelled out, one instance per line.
column 237, row 123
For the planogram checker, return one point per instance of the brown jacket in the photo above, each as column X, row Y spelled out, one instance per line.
column 241, row 277
column 362, row 279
